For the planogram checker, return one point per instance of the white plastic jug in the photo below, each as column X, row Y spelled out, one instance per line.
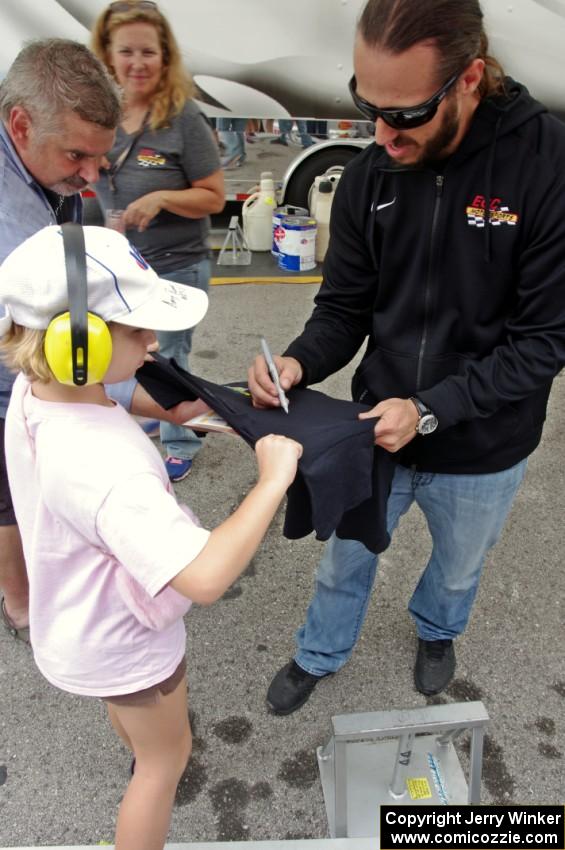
column 267, row 184
column 323, row 212
column 332, row 174
column 313, row 194
column 257, row 215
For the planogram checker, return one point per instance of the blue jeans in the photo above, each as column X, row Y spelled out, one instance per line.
column 285, row 127
column 177, row 440
column 465, row 516
column 231, row 132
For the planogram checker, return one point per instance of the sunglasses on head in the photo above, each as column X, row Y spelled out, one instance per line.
column 123, row 6
column 401, row 119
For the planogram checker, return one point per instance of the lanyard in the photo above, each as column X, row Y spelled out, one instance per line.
column 113, row 170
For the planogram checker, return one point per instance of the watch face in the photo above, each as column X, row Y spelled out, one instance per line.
column 427, row 424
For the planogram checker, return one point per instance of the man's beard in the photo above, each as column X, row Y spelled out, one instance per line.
column 437, row 147
column 70, row 186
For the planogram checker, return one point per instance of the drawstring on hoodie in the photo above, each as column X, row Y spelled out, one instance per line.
column 373, row 217
column 489, row 170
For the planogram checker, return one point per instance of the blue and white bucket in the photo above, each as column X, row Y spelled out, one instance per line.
column 297, row 247
column 278, row 215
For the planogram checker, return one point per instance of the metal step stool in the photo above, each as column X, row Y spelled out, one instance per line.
column 234, row 251
column 361, row 770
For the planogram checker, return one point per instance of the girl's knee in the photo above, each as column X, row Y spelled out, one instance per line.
column 181, row 763
column 182, row 752
column 185, row 753
column 167, row 768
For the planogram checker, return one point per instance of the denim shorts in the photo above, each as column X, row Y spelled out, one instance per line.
column 149, row 696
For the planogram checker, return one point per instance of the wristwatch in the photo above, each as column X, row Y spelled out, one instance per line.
column 427, row 423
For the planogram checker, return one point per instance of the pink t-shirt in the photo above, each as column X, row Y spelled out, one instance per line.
column 91, row 493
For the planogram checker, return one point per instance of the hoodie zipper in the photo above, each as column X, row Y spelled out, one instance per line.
column 439, row 180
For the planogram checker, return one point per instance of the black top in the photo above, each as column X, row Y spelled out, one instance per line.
column 455, row 281
column 343, row 480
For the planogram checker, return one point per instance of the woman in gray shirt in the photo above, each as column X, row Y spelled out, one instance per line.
column 164, row 170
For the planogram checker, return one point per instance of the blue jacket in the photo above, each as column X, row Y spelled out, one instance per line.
column 24, row 209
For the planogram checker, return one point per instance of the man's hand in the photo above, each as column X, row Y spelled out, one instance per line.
column 181, row 413
column 398, row 418
column 263, row 391
column 142, row 404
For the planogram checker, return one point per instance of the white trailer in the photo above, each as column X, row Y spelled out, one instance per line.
column 282, row 58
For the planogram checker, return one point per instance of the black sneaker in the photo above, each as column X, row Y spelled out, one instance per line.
column 435, row 665
column 291, row 688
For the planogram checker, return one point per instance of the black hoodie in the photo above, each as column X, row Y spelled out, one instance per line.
column 463, row 301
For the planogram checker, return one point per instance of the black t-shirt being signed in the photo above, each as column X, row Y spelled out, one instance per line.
column 343, row 480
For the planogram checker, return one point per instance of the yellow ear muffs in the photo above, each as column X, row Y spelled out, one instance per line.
column 58, row 349
column 78, row 344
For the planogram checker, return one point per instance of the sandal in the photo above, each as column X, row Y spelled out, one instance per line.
column 17, row 632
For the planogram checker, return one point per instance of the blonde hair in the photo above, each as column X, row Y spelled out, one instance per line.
column 21, row 349
column 176, row 86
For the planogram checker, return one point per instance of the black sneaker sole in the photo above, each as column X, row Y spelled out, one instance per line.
column 285, row 711
column 428, row 693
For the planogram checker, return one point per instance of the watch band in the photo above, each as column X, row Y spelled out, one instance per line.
column 427, row 421
column 420, row 406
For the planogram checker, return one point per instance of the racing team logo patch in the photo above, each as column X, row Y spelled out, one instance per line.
column 498, row 213
column 149, row 158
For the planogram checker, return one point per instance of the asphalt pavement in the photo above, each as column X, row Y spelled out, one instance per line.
column 254, row 776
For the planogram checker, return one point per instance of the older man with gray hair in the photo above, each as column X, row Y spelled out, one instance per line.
column 59, row 109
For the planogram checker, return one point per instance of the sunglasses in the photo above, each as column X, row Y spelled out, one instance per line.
column 122, row 6
column 401, row 119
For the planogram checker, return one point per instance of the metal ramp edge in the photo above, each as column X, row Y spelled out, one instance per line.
column 299, row 844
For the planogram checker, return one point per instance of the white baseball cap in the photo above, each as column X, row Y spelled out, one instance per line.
column 122, row 286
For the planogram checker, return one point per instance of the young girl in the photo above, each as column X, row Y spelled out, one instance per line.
column 112, row 558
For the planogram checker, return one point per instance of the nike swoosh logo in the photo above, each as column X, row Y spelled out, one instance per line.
column 389, row 204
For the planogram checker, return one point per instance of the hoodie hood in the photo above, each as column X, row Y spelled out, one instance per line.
column 497, row 116
column 494, row 118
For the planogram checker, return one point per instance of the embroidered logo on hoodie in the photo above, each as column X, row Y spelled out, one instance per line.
column 498, row 213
